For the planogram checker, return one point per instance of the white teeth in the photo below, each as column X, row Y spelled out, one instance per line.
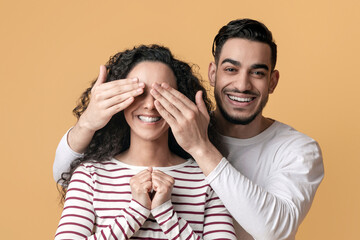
column 149, row 119
column 239, row 99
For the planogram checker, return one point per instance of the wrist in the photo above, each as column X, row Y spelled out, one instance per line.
column 79, row 137
column 207, row 156
column 84, row 126
column 145, row 203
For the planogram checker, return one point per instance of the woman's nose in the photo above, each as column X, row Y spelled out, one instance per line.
column 149, row 101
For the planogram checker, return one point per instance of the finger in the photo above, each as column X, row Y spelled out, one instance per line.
column 111, row 111
column 161, row 176
column 147, row 186
column 117, row 99
column 157, row 182
column 118, row 87
column 102, row 76
column 161, row 185
column 172, row 94
column 169, row 106
column 201, row 104
column 165, row 114
column 145, row 172
column 115, row 107
column 174, row 104
column 143, row 176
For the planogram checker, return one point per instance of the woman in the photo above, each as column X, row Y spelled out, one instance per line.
column 134, row 180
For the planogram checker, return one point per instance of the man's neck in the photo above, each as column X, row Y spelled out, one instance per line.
column 258, row 125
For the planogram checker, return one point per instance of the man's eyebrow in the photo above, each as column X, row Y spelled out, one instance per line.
column 257, row 66
column 229, row 60
column 237, row 63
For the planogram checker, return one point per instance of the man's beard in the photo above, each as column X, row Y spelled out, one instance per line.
column 239, row 120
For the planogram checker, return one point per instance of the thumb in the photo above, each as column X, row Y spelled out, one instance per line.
column 200, row 103
column 102, row 76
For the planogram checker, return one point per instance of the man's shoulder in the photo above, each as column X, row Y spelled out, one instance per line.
column 282, row 130
column 290, row 138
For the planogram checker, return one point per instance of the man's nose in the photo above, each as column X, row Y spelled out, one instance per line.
column 243, row 81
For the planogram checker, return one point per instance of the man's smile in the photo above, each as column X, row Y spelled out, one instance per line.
column 241, row 99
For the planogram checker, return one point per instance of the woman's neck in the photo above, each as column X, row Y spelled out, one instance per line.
column 151, row 153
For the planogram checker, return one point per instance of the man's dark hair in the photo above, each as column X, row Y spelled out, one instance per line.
column 247, row 29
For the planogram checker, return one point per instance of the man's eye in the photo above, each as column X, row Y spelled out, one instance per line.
column 259, row 73
column 230, row 69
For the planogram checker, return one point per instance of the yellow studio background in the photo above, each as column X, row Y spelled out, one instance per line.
column 51, row 50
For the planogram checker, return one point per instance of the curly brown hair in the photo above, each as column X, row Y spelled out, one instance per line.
column 114, row 138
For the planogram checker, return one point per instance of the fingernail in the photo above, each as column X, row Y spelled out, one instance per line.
column 139, row 90
column 165, row 85
column 141, row 84
column 135, row 79
column 155, row 85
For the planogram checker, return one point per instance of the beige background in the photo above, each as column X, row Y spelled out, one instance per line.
column 51, row 50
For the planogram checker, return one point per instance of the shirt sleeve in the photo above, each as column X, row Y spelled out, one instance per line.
column 217, row 224
column 78, row 216
column 275, row 209
column 63, row 157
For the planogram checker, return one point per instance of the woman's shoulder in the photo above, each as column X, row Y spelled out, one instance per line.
column 95, row 166
column 191, row 163
column 190, row 167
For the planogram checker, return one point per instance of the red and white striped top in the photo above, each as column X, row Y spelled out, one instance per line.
column 99, row 205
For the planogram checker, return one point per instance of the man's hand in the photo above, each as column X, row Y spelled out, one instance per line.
column 162, row 185
column 189, row 123
column 107, row 99
column 141, row 186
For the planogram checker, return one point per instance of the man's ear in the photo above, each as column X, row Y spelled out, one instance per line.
column 212, row 73
column 274, row 79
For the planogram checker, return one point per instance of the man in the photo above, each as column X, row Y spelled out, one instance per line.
column 266, row 173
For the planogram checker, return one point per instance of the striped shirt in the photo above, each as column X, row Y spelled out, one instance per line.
column 99, row 205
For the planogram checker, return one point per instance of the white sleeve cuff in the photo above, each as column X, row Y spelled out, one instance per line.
column 140, row 210
column 63, row 157
column 67, row 146
column 214, row 173
column 163, row 213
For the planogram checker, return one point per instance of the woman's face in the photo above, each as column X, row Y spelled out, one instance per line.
column 144, row 120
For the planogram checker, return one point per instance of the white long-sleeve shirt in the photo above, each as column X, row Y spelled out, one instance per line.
column 99, row 205
column 267, row 182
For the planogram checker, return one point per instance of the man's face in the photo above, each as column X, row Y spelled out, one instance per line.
column 243, row 80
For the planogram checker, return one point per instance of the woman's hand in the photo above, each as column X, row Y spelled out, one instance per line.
column 141, row 187
column 162, row 184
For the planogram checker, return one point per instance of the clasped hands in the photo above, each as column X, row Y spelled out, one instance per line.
column 151, row 188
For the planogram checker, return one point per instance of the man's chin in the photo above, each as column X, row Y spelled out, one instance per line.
column 237, row 120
